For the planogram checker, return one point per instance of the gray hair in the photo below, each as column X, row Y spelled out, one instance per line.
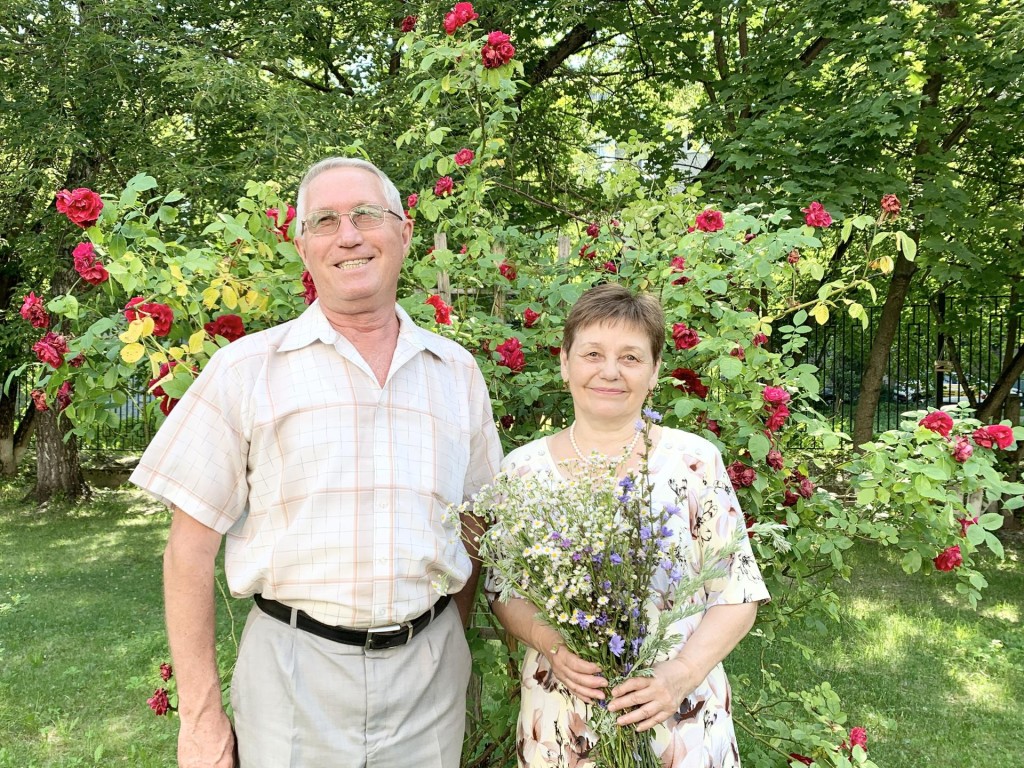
column 391, row 193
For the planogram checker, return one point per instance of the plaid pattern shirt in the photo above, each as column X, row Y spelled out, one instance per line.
column 331, row 488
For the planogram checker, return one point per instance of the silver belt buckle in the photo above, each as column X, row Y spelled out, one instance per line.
column 373, row 633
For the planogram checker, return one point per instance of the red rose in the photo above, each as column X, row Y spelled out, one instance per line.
column 162, row 315
column 507, row 421
column 412, row 200
column 51, row 349
column 774, row 396
column 593, row 230
column 530, row 317
column 938, row 421
column 586, row 252
column 464, row 157
column 409, row 23
column 159, row 703
column 998, row 434
column 741, row 475
column 962, row 450
column 948, row 559
column 555, row 351
column 789, row 499
column 39, row 400
column 33, row 310
column 737, row 351
column 678, row 265
column 442, row 312
column 684, row 337
column 777, row 418
column 806, row 487
column 689, row 382
column 800, row 758
column 497, row 51
column 710, row 220
column 759, row 340
column 228, row 326
column 816, row 216
column 511, row 351
column 507, row 271
column 462, row 13
column 308, row 288
column 444, row 186
column 750, row 521
column 87, row 266
column 64, row 395
column 166, row 672
column 77, row 360
column 610, row 266
column 775, row 460
column 282, row 228
column 965, row 523
column 713, row 428
column 891, row 205
column 82, row 206
column 793, row 256
column 167, row 402
column 859, row 738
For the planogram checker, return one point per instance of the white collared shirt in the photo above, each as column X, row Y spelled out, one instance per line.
column 331, row 488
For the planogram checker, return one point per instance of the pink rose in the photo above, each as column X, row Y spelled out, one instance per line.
column 891, row 205
column 51, row 349
column 775, row 460
column 442, row 312
column 77, row 360
column 308, row 288
column 461, row 14
column 230, row 327
column 610, row 267
column 793, row 257
column 507, row 271
column 965, row 523
column 409, row 23
column 159, row 702
column 162, row 315
column 678, row 265
column 166, row 672
column 464, row 157
column 82, row 206
column 741, row 475
column 710, row 220
column 412, row 200
column 962, row 450
column 997, row 434
column 39, row 400
column 777, row 418
column 689, row 383
column 282, row 228
column 530, row 317
column 816, row 216
column 759, row 340
column 87, row 266
column 444, row 185
column 738, row 352
column 497, row 51
column 806, row 487
column 948, row 559
column 774, row 396
column 938, row 421
column 33, row 310
column 511, row 352
column 858, row 738
column 593, row 230
column 684, row 336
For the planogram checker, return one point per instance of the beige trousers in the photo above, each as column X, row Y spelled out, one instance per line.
column 301, row 701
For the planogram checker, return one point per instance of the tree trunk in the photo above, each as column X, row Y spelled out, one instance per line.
column 878, row 357
column 8, row 405
column 57, row 469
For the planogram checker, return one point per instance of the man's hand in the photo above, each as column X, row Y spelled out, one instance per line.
column 207, row 743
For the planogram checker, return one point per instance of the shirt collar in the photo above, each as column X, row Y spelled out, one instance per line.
column 312, row 325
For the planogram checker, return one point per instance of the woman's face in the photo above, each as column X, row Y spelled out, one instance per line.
column 609, row 370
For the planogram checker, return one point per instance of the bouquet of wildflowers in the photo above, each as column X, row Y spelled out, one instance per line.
column 585, row 552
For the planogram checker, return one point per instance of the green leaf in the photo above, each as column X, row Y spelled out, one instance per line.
column 758, row 445
column 729, row 367
column 991, row 521
column 911, row 562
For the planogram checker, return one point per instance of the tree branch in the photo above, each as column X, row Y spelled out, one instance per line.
column 815, row 49
column 563, row 49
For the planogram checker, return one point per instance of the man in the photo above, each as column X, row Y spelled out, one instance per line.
column 327, row 449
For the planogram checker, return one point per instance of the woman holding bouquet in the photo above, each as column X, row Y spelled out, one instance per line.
column 610, row 357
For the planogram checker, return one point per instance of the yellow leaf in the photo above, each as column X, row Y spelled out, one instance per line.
column 195, row 341
column 178, row 352
column 229, row 296
column 131, row 335
column 210, row 297
column 181, row 289
column 856, row 310
column 820, row 313
column 132, row 353
column 147, row 325
column 176, row 272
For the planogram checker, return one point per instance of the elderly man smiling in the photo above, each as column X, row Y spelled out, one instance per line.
column 327, row 450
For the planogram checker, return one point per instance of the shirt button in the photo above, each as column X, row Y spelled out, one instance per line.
column 381, row 611
column 382, row 504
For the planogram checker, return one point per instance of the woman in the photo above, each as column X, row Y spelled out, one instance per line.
column 611, row 353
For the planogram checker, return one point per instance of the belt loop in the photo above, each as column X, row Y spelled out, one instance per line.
column 294, row 622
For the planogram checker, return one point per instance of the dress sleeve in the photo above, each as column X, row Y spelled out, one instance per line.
column 719, row 519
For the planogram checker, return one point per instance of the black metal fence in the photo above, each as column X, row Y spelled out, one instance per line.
column 919, row 373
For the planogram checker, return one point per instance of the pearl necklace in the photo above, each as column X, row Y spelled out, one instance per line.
column 575, row 446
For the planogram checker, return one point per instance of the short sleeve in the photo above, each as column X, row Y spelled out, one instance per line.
column 484, row 445
column 719, row 520
column 198, row 459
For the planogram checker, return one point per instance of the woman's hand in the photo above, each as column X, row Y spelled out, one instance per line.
column 653, row 700
column 582, row 678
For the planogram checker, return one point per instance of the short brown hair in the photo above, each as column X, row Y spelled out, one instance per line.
column 613, row 303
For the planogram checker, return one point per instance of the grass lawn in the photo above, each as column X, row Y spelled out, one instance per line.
column 81, row 637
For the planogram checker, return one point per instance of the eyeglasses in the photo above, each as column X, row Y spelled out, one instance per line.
column 366, row 216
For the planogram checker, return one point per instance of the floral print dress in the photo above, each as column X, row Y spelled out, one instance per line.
column 553, row 727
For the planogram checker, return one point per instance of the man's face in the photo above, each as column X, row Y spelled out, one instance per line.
column 355, row 270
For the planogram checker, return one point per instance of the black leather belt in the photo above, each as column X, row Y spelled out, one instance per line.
column 370, row 639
